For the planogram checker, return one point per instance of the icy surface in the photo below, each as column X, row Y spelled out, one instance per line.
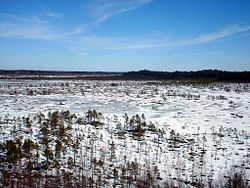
column 215, row 116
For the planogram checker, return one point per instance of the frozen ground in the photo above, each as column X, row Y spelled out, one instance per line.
column 213, row 120
column 184, row 108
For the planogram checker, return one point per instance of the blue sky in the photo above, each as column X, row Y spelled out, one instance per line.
column 124, row 35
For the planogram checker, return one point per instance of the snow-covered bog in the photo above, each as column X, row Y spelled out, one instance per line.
column 123, row 133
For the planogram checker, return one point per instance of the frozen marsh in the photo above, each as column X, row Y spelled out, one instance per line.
column 123, row 133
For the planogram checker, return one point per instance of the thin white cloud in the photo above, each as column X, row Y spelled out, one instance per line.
column 38, row 27
column 51, row 14
column 26, row 31
column 225, row 32
column 163, row 42
column 86, row 44
column 101, row 10
column 15, row 18
column 33, row 27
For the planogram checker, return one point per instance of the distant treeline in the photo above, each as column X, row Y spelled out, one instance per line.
column 202, row 75
column 53, row 73
column 213, row 75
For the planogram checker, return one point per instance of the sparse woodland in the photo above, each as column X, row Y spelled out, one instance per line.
column 65, row 148
column 62, row 149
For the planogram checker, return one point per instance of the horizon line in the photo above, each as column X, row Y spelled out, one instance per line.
column 110, row 71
